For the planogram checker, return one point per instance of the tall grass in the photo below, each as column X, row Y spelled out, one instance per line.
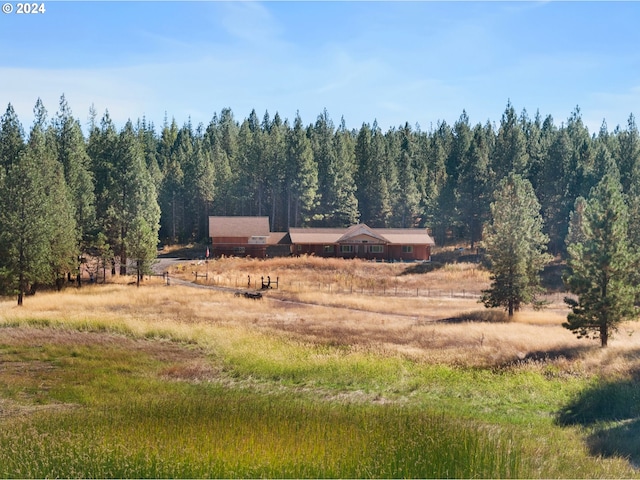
column 225, row 434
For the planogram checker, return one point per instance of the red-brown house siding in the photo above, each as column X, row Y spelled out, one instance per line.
column 232, row 247
column 316, row 250
column 419, row 252
column 230, row 240
column 389, row 252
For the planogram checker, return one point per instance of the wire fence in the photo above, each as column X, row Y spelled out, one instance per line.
column 371, row 289
column 267, row 283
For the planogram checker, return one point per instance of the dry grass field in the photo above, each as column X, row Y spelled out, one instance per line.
column 344, row 331
column 386, row 307
column 432, row 317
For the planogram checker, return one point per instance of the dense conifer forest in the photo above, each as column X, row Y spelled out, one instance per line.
column 117, row 191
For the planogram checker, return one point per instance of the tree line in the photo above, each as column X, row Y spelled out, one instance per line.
column 116, row 192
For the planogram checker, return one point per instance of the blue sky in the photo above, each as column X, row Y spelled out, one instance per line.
column 394, row 62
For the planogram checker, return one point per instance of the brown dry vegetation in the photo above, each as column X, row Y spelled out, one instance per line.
column 448, row 327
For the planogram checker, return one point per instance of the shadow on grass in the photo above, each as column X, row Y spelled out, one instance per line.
column 190, row 252
column 569, row 353
column 611, row 411
column 418, row 268
column 482, row 316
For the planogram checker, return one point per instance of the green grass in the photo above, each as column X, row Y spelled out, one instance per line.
column 102, row 404
column 204, row 432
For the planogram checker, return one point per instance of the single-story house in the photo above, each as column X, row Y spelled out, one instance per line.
column 362, row 241
column 250, row 236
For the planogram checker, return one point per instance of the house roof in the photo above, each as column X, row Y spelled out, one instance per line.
column 316, row 235
column 279, row 238
column 238, row 226
column 414, row 236
column 398, row 236
column 361, row 230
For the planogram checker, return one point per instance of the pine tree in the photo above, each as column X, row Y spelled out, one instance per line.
column 515, row 246
column 199, row 183
column 228, row 187
column 101, row 147
column 141, row 245
column 276, row 157
column 73, row 156
column 628, row 154
column 433, row 179
column 11, row 139
column 24, row 242
column 325, row 156
column 247, row 158
column 576, row 219
column 458, row 157
column 132, row 195
column 345, row 211
column 556, row 203
column 61, row 228
column 473, row 192
column 149, row 141
column 601, row 265
column 302, row 176
column 172, row 199
column 214, row 139
column 373, row 192
column 408, row 198
column 511, row 149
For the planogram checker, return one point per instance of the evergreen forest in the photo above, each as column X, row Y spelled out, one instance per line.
column 118, row 191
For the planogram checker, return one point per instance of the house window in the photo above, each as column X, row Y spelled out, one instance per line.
column 376, row 248
column 328, row 249
column 346, row 248
column 407, row 249
column 238, row 250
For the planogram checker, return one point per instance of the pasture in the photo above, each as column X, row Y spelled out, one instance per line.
column 348, row 369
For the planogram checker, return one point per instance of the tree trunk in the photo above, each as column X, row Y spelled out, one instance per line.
column 604, row 335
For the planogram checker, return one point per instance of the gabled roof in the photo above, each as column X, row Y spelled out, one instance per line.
column 238, row 226
column 360, row 230
column 279, row 238
column 397, row 236
column 406, row 236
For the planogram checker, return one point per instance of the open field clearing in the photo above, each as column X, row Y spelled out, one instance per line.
column 174, row 381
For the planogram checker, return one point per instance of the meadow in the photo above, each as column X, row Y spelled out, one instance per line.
column 348, row 369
